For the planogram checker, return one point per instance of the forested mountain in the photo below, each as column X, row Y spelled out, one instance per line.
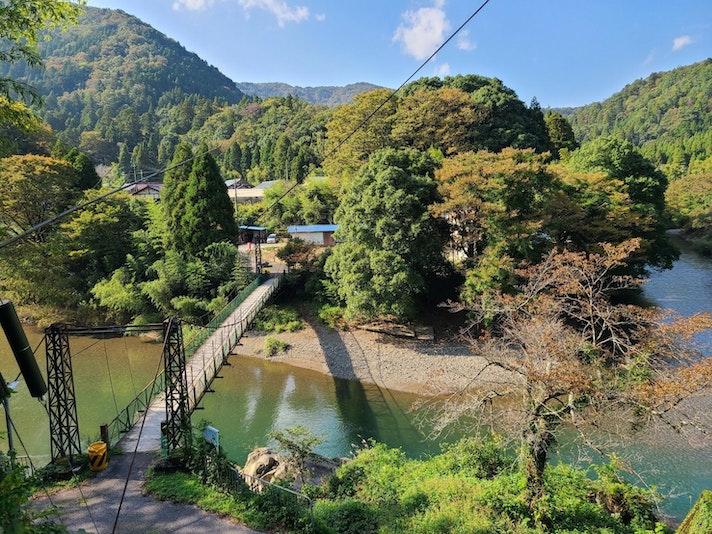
column 668, row 115
column 328, row 95
column 110, row 79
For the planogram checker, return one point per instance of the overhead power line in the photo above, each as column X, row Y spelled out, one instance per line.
column 99, row 198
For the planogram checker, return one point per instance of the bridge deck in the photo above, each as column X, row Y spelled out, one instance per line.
column 145, row 435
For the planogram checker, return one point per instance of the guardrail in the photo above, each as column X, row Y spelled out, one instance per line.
column 218, row 346
column 236, row 480
column 123, row 422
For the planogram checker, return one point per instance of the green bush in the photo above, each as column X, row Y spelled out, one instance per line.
column 274, row 346
column 346, row 517
column 278, row 319
column 477, row 457
column 331, row 315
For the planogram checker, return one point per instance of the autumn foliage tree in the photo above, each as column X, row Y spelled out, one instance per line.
column 560, row 351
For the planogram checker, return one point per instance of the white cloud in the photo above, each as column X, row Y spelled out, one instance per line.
column 464, row 42
column 444, row 70
column 283, row 11
column 422, row 31
column 681, row 42
column 192, row 5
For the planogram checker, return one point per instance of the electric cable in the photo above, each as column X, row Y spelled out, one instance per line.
column 111, row 382
column 79, row 486
column 385, row 101
column 32, row 468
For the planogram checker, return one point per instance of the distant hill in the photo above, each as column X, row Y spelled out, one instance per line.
column 328, row 95
column 668, row 114
column 110, row 50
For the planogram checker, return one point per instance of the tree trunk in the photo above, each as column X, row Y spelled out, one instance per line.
column 537, row 438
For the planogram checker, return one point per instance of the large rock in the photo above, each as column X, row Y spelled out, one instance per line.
column 264, row 464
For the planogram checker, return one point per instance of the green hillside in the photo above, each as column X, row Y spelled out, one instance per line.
column 668, row 115
column 109, row 81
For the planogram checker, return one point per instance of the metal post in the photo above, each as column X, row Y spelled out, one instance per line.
column 63, row 421
column 177, row 427
column 8, row 422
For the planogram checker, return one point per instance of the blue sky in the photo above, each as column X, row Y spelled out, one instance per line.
column 563, row 52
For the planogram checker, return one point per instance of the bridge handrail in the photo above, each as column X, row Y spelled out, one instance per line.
column 198, row 385
column 124, row 420
column 223, row 314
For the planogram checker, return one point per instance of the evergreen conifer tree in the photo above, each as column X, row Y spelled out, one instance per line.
column 208, row 212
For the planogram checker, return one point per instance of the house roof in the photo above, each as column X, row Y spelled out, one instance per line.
column 313, row 228
column 238, row 184
column 137, row 188
column 265, row 185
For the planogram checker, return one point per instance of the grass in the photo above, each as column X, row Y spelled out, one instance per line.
column 469, row 488
column 278, row 319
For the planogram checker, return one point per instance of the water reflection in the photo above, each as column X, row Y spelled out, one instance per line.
column 256, row 397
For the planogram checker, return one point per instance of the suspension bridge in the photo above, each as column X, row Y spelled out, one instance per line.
column 158, row 418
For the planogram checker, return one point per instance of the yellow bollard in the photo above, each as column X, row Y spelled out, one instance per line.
column 98, row 456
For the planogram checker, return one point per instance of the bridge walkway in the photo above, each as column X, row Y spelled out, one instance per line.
column 201, row 367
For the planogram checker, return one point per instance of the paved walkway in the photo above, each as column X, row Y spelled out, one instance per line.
column 94, row 506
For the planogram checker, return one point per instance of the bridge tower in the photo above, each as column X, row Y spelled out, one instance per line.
column 63, row 421
column 176, row 427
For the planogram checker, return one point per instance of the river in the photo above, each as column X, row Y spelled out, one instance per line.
column 253, row 397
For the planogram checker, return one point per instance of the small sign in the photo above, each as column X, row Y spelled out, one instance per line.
column 212, row 435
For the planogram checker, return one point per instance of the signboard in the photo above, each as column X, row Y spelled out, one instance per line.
column 212, row 435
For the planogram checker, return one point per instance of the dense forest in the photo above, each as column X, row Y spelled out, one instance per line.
column 451, row 192
column 668, row 115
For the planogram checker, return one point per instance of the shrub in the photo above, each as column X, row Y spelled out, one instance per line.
column 477, row 457
column 278, row 319
column 274, row 346
column 331, row 315
column 346, row 517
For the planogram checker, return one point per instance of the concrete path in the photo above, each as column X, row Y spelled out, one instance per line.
column 95, row 505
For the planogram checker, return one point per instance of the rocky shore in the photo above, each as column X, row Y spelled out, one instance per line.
column 392, row 362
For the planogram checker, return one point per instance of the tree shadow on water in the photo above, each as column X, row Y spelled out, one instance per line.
column 370, row 411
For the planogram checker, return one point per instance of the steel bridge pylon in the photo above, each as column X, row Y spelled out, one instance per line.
column 63, row 421
column 176, row 427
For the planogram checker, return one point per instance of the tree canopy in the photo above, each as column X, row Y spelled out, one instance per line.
column 391, row 242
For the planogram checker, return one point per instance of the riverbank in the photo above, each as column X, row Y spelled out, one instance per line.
column 402, row 364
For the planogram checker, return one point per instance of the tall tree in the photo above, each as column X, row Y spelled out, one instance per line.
column 494, row 200
column 392, row 244
column 175, row 184
column 208, row 213
column 628, row 172
column 561, row 134
column 32, row 190
column 358, row 130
